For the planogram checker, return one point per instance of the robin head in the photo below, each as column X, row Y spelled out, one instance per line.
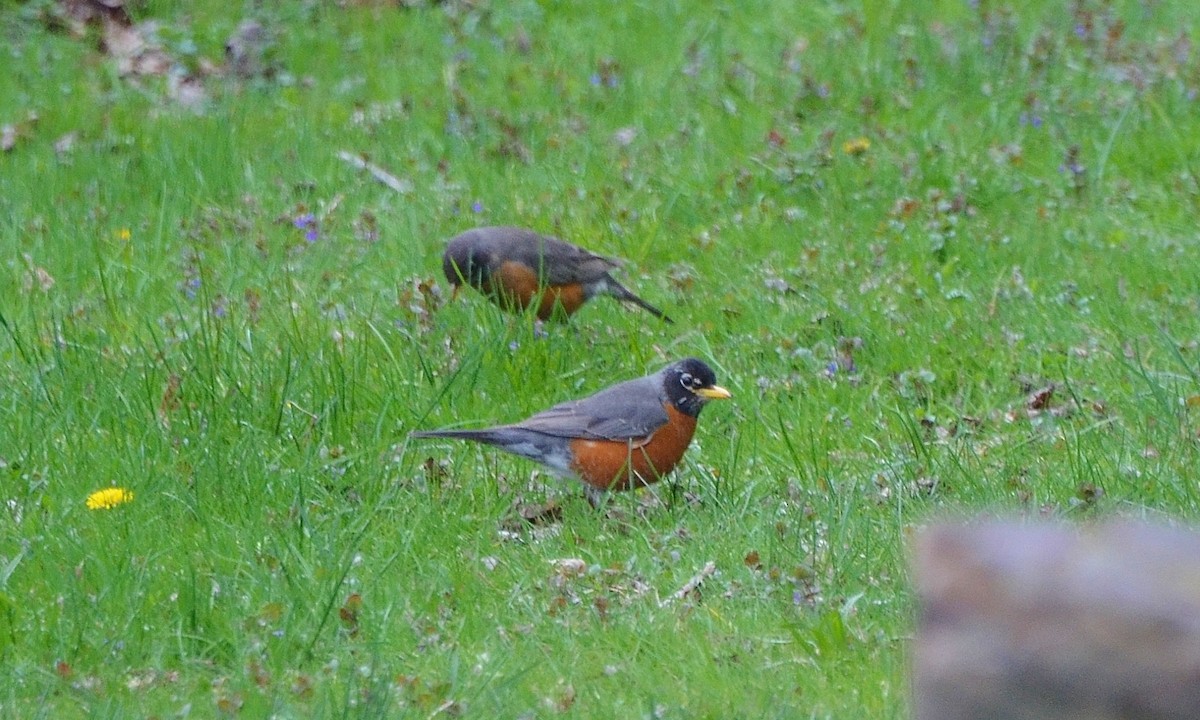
column 466, row 260
column 690, row 384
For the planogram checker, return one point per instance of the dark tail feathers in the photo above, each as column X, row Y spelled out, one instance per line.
column 624, row 294
column 487, row 436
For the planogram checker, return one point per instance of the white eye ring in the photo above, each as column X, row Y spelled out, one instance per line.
column 687, row 380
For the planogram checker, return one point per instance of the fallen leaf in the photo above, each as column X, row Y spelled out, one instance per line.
column 349, row 613
column 1040, row 399
column 169, row 402
column 569, row 567
column 540, row 513
column 563, row 700
column 261, row 676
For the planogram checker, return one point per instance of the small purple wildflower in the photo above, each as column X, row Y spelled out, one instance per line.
column 308, row 223
column 1071, row 164
column 831, row 369
column 476, row 207
column 1080, row 30
column 606, row 79
column 1031, row 119
column 191, row 286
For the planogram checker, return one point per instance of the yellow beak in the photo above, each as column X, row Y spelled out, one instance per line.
column 716, row 392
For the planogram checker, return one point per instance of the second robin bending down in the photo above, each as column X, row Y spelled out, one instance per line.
column 626, row 436
column 518, row 268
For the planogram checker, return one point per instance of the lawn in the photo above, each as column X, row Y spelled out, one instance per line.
column 944, row 256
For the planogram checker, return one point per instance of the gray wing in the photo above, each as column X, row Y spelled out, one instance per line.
column 632, row 409
column 558, row 262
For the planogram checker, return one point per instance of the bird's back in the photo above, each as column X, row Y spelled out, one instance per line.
column 555, row 261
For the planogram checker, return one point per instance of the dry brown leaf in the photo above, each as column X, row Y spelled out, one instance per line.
column 563, row 699
column 540, row 513
column 348, row 613
column 1040, row 399
column 170, row 400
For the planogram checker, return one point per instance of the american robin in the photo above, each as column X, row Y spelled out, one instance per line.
column 518, row 268
column 626, row 436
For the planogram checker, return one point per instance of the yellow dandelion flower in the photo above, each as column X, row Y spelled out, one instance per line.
column 124, row 234
column 108, row 498
column 857, row 146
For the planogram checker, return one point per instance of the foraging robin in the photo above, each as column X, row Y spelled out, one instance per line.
column 517, row 268
column 626, row 436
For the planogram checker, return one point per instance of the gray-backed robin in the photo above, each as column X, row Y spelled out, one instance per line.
column 626, row 436
column 517, row 268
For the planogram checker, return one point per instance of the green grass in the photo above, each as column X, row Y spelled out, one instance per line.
column 289, row 552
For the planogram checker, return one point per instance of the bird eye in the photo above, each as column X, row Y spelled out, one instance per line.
column 687, row 381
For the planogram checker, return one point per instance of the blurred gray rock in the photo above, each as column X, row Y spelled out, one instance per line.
column 248, row 51
column 1026, row 622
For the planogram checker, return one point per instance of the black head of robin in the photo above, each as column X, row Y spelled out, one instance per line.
column 519, row 268
column 626, row 436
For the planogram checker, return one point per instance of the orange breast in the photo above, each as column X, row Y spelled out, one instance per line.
column 568, row 297
column 621, row 465
column 514, row 287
